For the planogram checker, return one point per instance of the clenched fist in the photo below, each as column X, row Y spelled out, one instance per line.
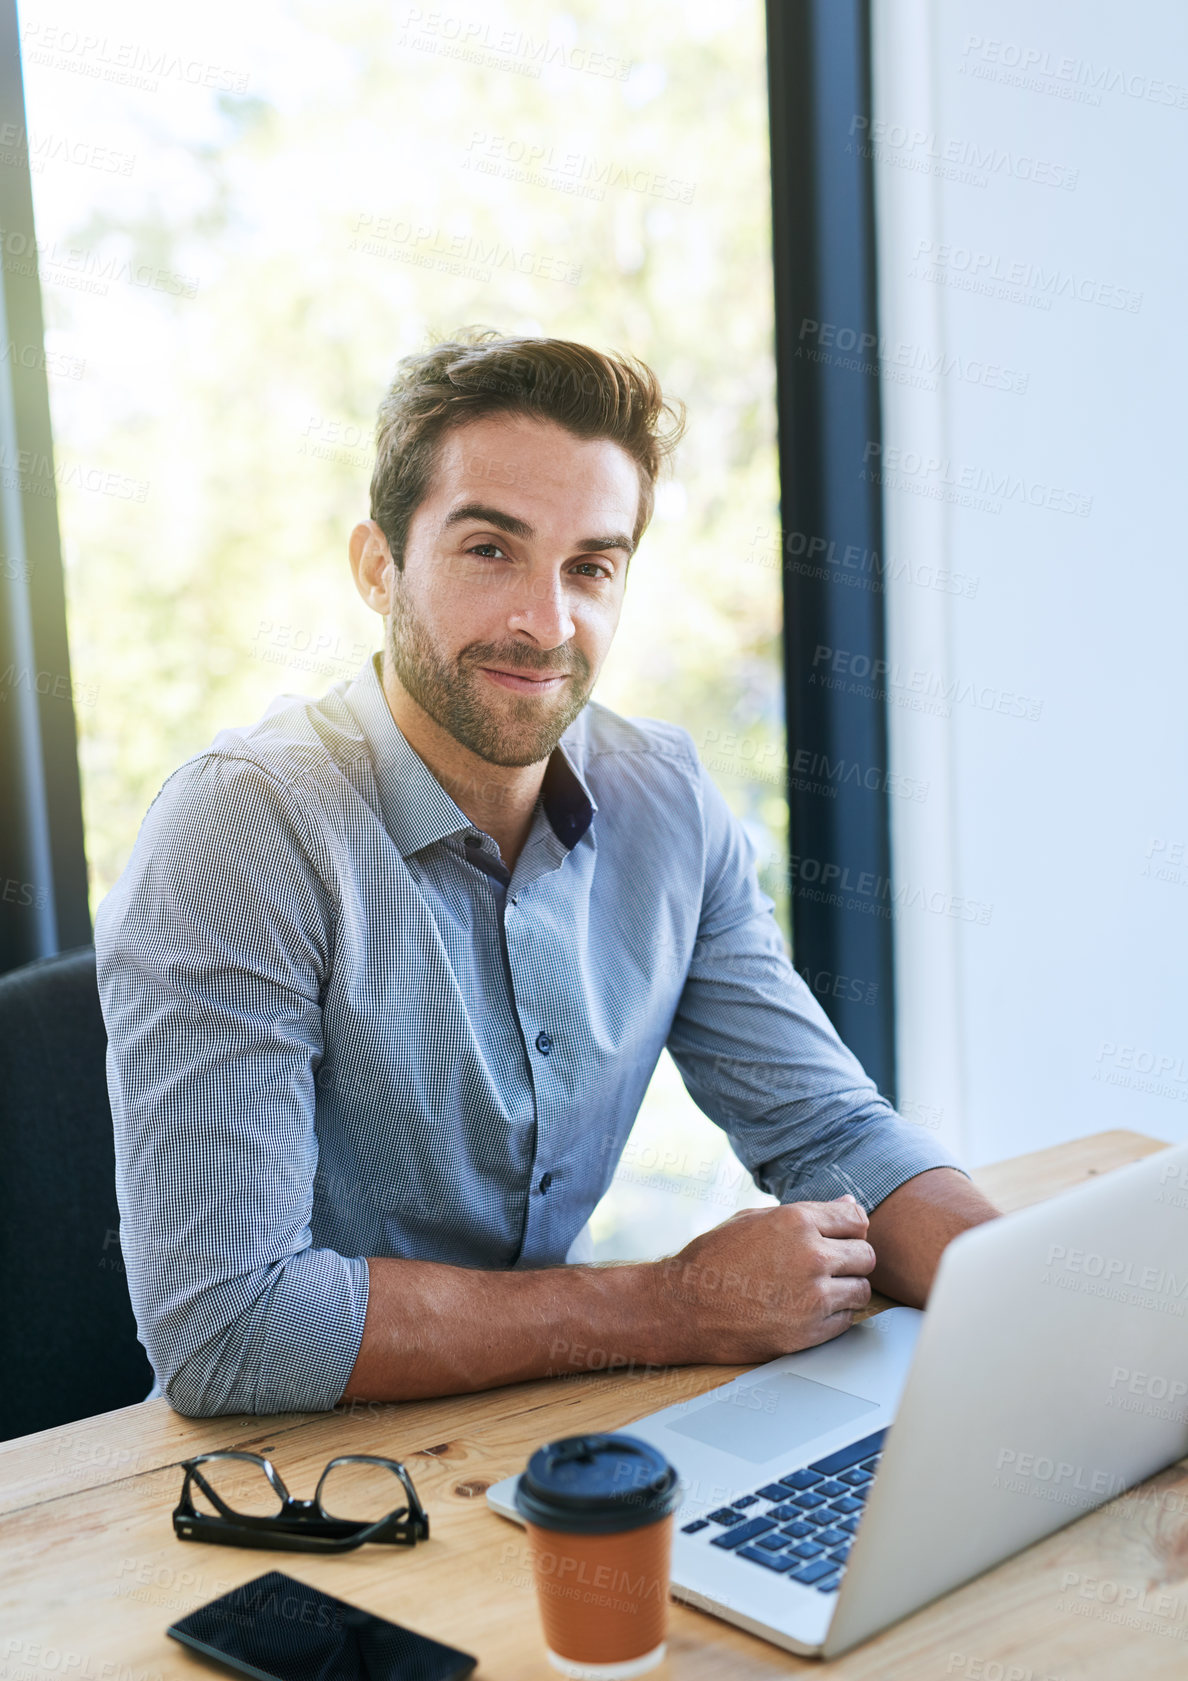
column 766, row 1282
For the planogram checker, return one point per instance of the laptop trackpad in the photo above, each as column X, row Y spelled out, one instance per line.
column 772, row 1417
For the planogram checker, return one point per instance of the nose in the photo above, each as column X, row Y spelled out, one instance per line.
column 540, row 608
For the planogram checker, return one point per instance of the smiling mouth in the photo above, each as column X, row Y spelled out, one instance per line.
column 524, row 683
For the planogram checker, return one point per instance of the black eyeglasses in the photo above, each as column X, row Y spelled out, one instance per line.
column 244, row 1503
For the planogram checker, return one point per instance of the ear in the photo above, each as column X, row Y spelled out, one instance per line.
column 372, row 566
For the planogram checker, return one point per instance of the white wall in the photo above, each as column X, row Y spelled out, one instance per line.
column 1034, row 153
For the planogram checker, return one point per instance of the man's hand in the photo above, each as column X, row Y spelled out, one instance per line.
column 766, row 1282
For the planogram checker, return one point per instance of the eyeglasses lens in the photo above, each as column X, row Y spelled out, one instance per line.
column 240, row 1485
column 361, row 1493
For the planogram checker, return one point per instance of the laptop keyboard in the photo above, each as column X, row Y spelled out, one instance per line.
column 802, row 1525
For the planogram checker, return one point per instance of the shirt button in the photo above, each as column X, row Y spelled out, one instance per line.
column 546, row 1179
column 544, row 1043
column 474, row 840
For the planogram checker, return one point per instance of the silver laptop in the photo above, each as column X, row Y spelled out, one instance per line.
column 829, row 1493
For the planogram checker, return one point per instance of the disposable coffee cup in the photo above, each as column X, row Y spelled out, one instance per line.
column 598, row 1510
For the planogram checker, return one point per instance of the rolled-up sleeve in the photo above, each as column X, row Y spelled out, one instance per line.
column 760, row 1057
column 212, row 951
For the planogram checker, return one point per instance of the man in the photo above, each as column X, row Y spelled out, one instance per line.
column 388, row 973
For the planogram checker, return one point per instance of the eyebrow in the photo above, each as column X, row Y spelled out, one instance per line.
column 516, row 527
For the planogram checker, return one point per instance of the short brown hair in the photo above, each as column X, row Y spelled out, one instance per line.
column 479, row 372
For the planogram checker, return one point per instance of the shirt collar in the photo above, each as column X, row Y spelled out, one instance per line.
column 416, row 808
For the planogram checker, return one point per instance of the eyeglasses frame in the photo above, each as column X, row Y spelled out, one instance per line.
column 300, row 1525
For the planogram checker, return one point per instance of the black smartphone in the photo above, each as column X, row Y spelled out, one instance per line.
column 278, row 1629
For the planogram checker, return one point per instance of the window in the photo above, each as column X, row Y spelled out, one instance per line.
column 245, row 216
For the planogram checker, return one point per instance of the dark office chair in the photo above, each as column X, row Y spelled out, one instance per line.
column 68, row 1343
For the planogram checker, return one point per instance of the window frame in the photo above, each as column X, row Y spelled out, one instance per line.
column 43, row 866
column 824, row 261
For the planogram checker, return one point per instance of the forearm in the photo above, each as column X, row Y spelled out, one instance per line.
column 910, row 1229
column 433, row 1329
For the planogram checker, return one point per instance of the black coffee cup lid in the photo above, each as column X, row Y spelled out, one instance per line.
column 597, row 1485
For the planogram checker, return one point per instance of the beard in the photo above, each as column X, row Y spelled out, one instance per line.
column 497, row 725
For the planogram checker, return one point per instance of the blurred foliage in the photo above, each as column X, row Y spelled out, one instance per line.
column 248, row 407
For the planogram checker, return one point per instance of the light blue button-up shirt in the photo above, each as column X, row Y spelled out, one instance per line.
column 338, row 1028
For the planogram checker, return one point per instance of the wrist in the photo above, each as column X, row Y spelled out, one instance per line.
column 626, row 1323
column 663, row 1319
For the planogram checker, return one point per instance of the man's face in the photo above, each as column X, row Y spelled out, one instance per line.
column 513, row 583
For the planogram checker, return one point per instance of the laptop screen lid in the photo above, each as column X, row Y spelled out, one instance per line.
column 1018, row 1414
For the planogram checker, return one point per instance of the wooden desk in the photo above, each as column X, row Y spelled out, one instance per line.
column 92, row 1573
